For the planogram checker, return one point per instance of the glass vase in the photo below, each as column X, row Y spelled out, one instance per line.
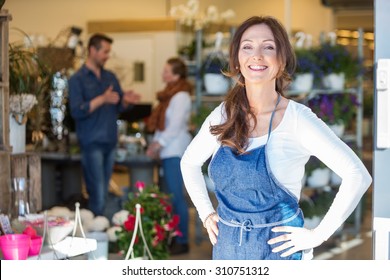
column 19, row 204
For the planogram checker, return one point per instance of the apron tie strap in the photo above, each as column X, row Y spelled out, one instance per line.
column 248, row 226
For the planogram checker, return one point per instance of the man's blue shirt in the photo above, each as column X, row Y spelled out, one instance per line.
column 100, row 125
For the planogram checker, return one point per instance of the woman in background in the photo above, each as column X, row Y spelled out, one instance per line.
column 169, row 121
column 259, row 142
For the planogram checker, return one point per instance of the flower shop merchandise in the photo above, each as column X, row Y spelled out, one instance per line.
column 334, row 109
column 159, row 225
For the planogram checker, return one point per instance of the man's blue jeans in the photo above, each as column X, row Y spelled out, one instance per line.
column 174, row 183
column 97, row 161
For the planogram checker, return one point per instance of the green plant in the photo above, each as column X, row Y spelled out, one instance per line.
column 199, row 117
column 216, row 63
column 28, row 75
column 317, row 203
column 313, row 164
column 158, row 223
column 306, row 61
column 337, row 59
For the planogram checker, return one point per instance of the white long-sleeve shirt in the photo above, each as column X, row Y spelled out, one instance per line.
column 175, row 138
column 299, row 135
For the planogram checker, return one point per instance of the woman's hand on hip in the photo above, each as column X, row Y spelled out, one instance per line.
column 212, row 227
column 294, row 239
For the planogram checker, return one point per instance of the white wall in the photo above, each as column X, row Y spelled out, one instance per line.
column 49, row 17
column 46, row 19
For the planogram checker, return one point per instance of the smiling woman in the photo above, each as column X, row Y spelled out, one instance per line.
column 259, row 142
column 257, row 55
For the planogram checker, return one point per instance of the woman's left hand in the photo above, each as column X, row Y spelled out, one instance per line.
column 294, row 239
column 153, row 150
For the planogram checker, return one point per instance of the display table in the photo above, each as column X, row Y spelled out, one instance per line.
column 62, row 175
column 61, row 178
column 141, row 168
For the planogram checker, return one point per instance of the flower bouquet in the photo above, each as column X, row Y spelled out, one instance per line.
column 335, row 108
column 159, row 225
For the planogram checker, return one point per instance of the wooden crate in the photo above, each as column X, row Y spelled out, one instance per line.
column 28, row 165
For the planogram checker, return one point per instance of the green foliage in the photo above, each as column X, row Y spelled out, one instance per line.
column 158, row 223
column 215, row 62
column 307, row 62
column 313, row 164
column 317, row 204
column 26, row 73
column 199, row 117
column 337, row 59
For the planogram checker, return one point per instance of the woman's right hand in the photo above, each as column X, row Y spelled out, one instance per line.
column 212, row 227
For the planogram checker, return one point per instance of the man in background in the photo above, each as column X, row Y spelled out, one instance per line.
column 96, row 99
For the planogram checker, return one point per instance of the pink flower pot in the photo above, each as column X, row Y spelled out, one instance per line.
column 15, row 246
column 35, row 247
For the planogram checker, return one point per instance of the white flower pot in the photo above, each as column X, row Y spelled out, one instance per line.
column 335, row 180
column 209, row 183
column 216, row 83
column 319, row 178
column 338, row 129
column 311, row 223
column 334, row 81
column 302, row 82
column 17, row 136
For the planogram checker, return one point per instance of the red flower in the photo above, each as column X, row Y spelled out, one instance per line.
column 163, row 202
column 29, row 230
column 168, row 208
column 130, row 223
column 159, row 232
column 140, row 185
column 177, row 233
column 172, row 224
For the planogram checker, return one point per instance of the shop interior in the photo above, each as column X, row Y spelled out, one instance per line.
column 45, row 41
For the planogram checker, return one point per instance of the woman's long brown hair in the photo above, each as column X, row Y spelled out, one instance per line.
column 234, row 132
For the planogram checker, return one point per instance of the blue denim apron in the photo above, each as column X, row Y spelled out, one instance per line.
column 251, row 202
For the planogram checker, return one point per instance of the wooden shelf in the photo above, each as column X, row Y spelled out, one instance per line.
column 5, row 149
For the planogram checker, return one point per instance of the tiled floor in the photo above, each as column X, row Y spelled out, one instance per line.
column 338, row 247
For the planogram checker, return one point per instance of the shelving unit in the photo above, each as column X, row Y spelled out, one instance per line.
column 354, row 138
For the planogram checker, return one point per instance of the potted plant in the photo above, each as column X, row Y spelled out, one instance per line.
column 337, row 110
column 317, row 173
column 314, row 205
column 336, row 64
column 28, row 81
column 212, row 70
column 306, row 71
column 159, row 225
